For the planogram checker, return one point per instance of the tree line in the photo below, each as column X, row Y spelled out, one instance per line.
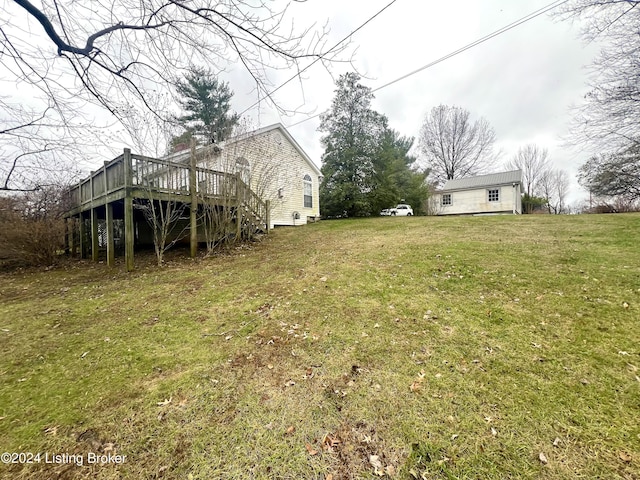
column 368, row 166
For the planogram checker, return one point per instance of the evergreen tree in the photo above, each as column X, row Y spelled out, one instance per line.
column 206, row 102
column 351, row 142
column 394, row 180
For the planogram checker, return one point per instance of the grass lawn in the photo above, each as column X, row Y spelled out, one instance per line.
column 408, row 348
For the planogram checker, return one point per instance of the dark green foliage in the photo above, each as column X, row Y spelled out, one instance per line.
column 207, row 103
column 366, row 165
column 393, row 179
column 532, row 204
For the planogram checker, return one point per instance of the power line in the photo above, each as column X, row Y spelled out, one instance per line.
column 500, row 31
column 268, row 95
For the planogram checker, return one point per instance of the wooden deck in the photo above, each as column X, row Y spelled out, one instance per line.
column 129, row 177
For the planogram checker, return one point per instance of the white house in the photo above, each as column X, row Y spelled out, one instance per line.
column 496, row 193
column 276, row 168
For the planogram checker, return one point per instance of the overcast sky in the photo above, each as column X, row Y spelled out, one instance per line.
column 523, row 81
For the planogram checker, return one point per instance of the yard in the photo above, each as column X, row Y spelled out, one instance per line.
column 408, row 348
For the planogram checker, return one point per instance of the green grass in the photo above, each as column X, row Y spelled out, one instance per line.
column 447, row 347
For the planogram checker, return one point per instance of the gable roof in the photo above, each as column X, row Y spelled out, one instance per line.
column 481, row 181
column 216, row 147
column 285, row 132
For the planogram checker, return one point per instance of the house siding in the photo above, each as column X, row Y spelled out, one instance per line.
column 277, row 170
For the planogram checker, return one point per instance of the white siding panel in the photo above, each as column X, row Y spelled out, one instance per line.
column 277, row 172
column 476, row 201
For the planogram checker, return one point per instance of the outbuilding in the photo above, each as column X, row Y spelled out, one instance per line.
column 496, row 193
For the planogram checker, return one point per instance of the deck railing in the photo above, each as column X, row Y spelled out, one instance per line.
column 151, row 176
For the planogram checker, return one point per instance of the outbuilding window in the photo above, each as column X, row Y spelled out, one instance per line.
column 446, row 199
column 494, row 195
column 307, row 187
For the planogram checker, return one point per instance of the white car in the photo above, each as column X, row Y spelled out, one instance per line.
column 386, row 212
column 402, row 210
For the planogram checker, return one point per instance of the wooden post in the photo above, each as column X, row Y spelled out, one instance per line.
column 94, row 235
column 129, row 232
column 111, row 254
column 193, row 228
column 268, row 214
column 72, row 236
column 83, row 237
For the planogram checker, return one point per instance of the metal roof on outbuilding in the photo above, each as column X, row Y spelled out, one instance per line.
column 490, row 180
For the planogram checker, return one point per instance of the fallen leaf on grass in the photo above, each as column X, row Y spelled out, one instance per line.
column 375, row 462
column 329, row 442
column 51, row 430
column 290, row 430
column 84, row 354
column 415, row 386
column 625, row 457
column 165, row 402
column 310, row 449
column 543, row 458
column 328, row 477
column 556, row 442
column 494, row 432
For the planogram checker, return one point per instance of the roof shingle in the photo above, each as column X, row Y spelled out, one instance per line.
column 481, row 181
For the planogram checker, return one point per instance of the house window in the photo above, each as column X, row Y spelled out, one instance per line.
column 307, row 187
column 494, row 195
column 446, row 199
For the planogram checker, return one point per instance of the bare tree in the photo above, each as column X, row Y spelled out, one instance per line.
column 609, row 118
column 453, row 146
column 533, row 161
column 166, row 189
column 246, row 163
column 613, row 175
column 554, row 186
column 121, row 50
column 37, row 147
column 67, row 56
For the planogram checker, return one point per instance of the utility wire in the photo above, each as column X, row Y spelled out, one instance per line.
column 320, row 57
column 500, row 31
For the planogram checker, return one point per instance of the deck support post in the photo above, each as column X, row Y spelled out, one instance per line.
column 193, row 228
column 267, row 213
column 94, row 235
column 83, row 237
column 73, row 245
column 129, row 233
column 111, row 254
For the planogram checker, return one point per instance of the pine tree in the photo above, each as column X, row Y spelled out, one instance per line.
column 206, row 102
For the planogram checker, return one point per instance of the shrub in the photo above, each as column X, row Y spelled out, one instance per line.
column 33, row 229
